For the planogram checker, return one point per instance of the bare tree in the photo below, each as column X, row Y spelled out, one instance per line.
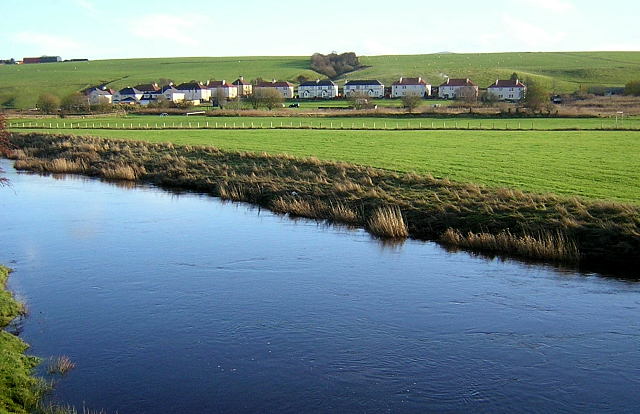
column 266, row 97
column 412, row 102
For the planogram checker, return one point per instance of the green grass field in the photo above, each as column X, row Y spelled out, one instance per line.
column 460, row 122
column 22, row 84
column 590, row 164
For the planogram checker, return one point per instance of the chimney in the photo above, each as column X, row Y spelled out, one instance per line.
column 240, row 77
column 207, row 83
column 497, row 81
column 419, row 79
column 400, row 79
column 317, row 80
column 273, row 81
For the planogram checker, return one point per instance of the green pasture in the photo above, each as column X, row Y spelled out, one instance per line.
column 590, row 164
column 562, row 72
column 333, row 122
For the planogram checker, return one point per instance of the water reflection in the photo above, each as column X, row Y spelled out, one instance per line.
column 181, row 303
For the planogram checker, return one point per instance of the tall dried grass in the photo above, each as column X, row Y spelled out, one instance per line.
column 546, row 246
column 388, row 222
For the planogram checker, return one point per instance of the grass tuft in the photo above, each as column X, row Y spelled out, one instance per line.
column 388, row 222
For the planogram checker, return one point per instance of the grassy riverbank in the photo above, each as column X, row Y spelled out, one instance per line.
column 19, row 390
column 545, row 227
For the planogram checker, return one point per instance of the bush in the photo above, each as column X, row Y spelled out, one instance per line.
column 632, row 88
column 48, row 103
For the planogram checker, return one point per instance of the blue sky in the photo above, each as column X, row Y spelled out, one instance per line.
column 112, row 29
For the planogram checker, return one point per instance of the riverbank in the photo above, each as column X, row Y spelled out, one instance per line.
column 503, row 221
column 19, row 390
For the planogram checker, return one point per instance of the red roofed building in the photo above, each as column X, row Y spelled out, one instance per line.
column 244, row 87
column 222, row 89
column 410, row 86
column 506, row 90
column 458, row 89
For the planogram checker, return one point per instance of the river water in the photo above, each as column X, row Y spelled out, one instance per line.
column 185, row 304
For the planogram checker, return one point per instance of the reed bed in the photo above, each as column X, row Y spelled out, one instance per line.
column 388, row 204
column 545, row 246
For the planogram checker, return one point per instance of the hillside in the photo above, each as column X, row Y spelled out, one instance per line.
column 22, row 84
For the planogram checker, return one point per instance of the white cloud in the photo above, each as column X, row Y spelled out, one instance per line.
column 555, row 5
column 531, row 35
column 88, row 6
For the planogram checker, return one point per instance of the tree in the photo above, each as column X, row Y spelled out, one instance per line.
column 334, row 65
column 514, row 76
column 411, row 102
column 360, row 100
column 632, row 88
column 536, row 96
column 76, row 102
column 266, row 97
column 4, row 147
column 48, row 103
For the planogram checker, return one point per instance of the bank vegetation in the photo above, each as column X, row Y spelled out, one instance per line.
column 388, row 204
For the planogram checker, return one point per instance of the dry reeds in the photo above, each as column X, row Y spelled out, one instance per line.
column 61, row 366
column 121, row 172
column 388, row 222
column 546, row 246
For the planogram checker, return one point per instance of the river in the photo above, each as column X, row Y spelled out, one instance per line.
column 182, row 303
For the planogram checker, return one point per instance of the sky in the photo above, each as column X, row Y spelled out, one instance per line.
column 118, row 29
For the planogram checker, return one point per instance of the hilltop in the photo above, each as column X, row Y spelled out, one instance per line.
column 560, row 72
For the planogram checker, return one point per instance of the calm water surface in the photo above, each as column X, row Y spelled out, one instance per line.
column 185, row 304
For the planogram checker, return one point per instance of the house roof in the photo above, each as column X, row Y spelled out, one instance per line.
column 148, row 87
column 130, row 91
column 103, row 92
column 507, row 84
column 240, row 81
column 189, row 86
column 458, row 82
column 274, row 84
column 324, row 82
column 410, row 81
column 171, row 89
column 220, row 84
column 363, row 82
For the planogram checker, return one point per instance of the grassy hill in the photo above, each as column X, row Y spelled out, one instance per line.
column 564, row 72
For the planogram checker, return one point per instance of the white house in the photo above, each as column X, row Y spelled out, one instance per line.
column 127, row 95
column 99, row 96
column 410, row 86
column 370, row 88
column 171, row 94
column 318, row 89
column 222, row 89
column 458, row 88
column 285, row 88
column 244, row 87
column 195, row 91
column 506, row 90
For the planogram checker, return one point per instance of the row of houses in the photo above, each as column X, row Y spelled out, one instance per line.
column 197, row 92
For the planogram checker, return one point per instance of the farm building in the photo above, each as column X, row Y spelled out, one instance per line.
column 410, row 86
column 370, row 88
column 285, row 88
column 506, row 90
column 244, row 87
column 318, row 89
column 458, row 89
column 42, row 59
